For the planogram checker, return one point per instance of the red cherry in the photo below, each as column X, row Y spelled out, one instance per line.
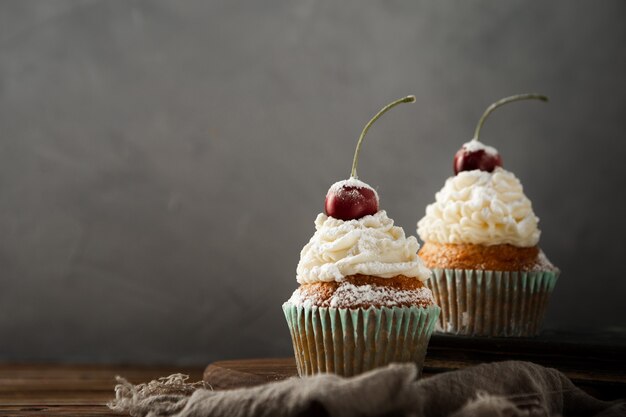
column 352, row 199
column 466, row 160
column 349, row 202
column 474, row 155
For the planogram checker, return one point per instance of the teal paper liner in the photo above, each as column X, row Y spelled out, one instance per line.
column 351, row 341
column 491, row 303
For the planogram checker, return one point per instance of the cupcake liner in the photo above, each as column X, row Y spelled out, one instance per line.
column 491, row 303
column 351, row 341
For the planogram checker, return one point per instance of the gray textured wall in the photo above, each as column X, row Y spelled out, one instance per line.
column 161, row 163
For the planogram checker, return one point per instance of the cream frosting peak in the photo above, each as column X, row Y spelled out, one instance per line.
column 371, row 245
column 478, row 207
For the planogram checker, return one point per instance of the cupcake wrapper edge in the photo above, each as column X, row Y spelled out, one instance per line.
column 351, row 341
column 491, row 303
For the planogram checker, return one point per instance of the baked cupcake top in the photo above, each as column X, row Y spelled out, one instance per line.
column 361, row 291
column 370, row 245
column 483, row 208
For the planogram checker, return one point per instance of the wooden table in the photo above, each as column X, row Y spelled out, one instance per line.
column 70, row 390
column 596, row 365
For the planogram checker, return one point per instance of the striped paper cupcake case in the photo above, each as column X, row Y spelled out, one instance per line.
column 491, row 303
column 351, row 341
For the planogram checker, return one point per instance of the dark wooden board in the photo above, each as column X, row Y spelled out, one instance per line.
column 248, row 372
column 594, row 365
column 594, row 362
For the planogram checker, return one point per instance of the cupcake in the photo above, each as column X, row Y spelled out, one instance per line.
column 481, row 239
column 362, row 301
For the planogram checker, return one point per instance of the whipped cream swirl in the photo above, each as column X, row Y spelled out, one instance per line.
column 484, row 208
column 371, row 245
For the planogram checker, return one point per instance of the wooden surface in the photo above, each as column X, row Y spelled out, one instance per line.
column 246, row 373
column 596, row 364
column 70, row 390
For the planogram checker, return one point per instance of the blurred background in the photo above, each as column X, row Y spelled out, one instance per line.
column 162, row 162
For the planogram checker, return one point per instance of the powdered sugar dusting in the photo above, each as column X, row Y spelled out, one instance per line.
column 475, row 145
column 543, row 263
column 351, row 182
column 348, row 295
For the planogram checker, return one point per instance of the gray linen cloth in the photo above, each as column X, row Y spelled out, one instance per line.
column 505, row 389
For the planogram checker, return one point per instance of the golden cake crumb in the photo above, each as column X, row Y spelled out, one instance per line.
column 480, row 257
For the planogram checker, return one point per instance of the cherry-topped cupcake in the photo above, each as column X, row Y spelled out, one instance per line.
column 362, row 300
column 481, row 239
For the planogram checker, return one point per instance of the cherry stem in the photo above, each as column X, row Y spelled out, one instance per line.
column 502, row 102
column 355, row 161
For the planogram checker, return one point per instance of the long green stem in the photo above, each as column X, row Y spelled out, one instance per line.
column 355, row 160
column 502, row 102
